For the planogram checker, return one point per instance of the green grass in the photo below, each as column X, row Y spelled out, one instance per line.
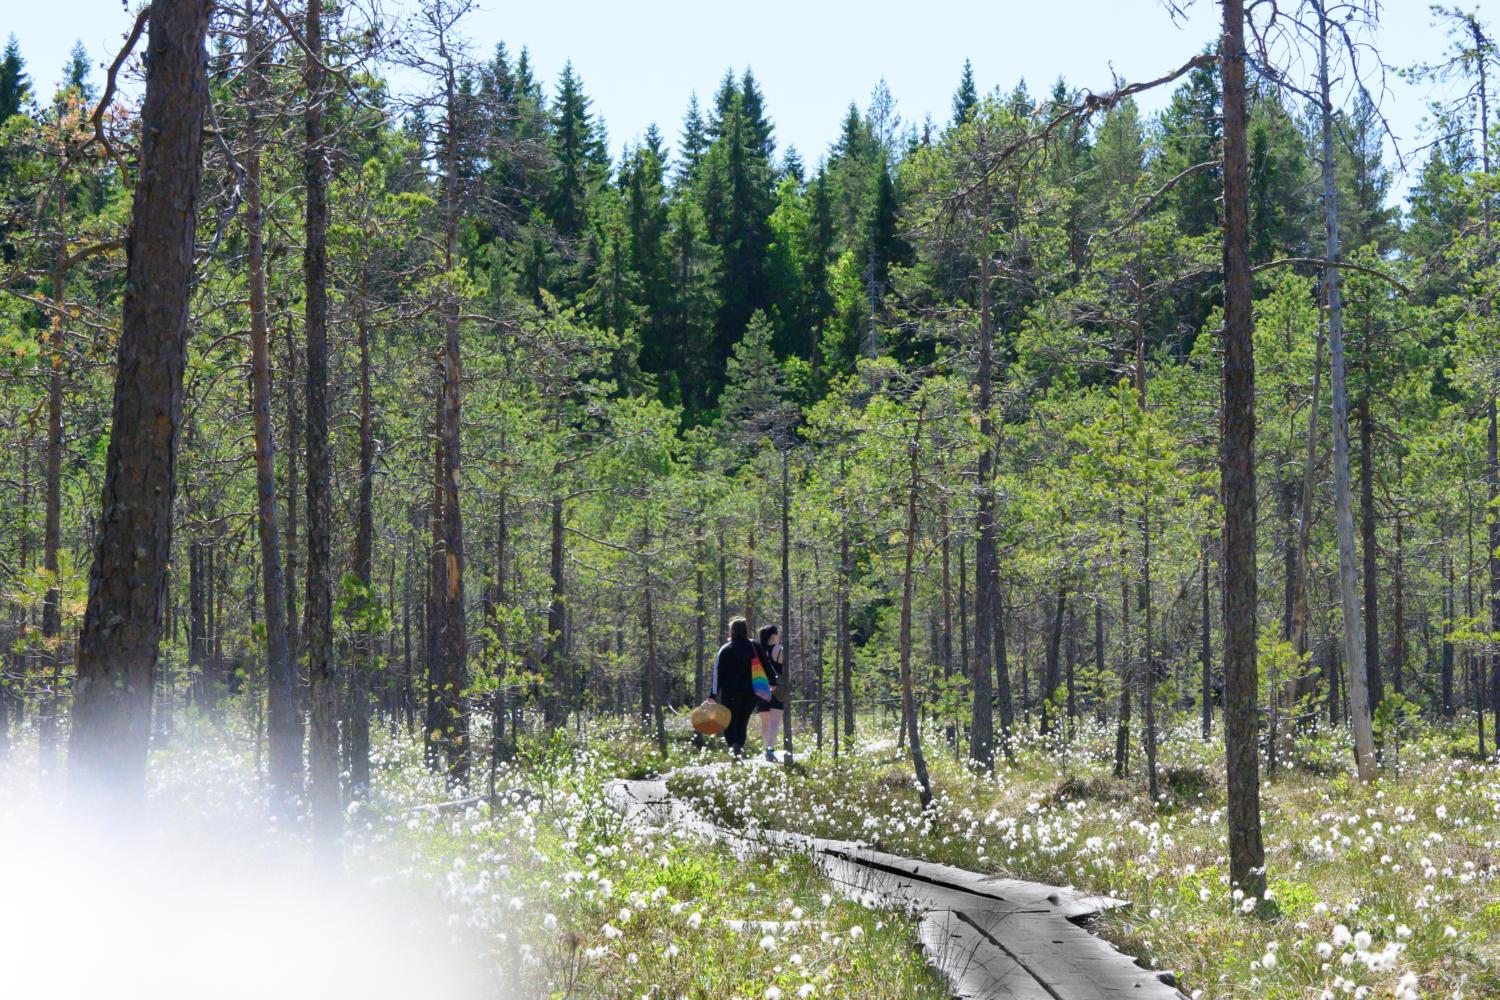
column 1413, row 859
column 563, row 901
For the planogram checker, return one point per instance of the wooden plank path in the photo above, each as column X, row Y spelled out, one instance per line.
column 989, row 937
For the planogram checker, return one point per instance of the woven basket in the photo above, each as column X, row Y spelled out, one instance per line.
column 710, row 718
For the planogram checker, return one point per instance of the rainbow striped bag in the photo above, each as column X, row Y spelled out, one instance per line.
column 758, row 679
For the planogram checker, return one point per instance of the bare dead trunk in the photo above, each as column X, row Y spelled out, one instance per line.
column 1353, row 647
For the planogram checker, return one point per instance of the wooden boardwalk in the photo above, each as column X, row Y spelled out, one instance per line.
column 989, row 937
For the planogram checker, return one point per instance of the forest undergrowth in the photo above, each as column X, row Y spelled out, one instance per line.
column 1379, row 890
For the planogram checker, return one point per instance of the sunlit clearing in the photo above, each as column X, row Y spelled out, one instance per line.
column 180, row 913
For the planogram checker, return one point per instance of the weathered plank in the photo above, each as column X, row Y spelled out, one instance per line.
column 989, row 937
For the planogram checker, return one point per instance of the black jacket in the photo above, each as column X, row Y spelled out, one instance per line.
column 732, row 669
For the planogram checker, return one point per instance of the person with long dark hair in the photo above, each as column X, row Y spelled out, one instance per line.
column 733, row 686
column 773, row 659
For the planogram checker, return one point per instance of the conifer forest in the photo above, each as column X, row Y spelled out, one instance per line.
column 393, row 462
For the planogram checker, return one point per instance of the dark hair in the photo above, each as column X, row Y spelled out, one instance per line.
column 766, row 631
column 739, row 628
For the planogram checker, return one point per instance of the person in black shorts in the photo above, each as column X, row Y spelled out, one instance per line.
column 731, row 683
column 773, row 658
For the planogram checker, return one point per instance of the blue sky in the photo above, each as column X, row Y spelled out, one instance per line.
column 640, row 60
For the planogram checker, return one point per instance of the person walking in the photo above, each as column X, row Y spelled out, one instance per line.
column 773, row 658
column 732, row 684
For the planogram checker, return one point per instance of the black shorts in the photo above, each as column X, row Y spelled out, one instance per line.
column 774, row 703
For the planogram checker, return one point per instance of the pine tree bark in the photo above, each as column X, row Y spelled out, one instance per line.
column 982, row 719
column 700, row 618
column 1205, row 653
column 117, row 647
column 786, row 608
column 908, row 694
column 452, row 627
column 52, row 517
column 846, row 642
column 653, row 668
column 1241, row 678
column 283, row 718
column 1369, row 546
column 1398, row 604
column 1447, row 704
column 363, row 667
column 554, row 666
column 323, row 748
column 1127, row 685
column 1052, row 676
column 295, row 627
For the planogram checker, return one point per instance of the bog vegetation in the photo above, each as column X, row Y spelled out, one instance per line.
column 1126, row 488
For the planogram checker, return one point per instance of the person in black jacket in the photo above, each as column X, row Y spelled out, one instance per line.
column 731, row 682
column 773, row 658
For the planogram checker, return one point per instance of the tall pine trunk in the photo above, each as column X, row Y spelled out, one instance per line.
column 283, row 718
column 117, row 647
column 363, row 667
column 452, row 629
column 982, row 719
column 786, row 608
column 1246, row 851
column 908, row 694
column 52, row 518
column 1369, row 546
column 323, row 748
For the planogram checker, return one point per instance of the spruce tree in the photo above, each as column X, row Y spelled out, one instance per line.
column 15, row 88
column 580, row 154
column 1190, row 135
column 966, row 97
column 76, row 72
column 759, row 130
column 694, row 142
